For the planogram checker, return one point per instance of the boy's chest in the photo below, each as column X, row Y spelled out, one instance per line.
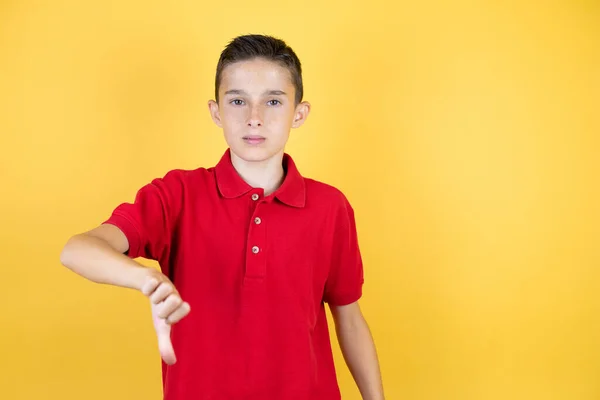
column 238, row 241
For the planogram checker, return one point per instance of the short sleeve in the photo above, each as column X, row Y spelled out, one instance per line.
column 346, row 276
column 150, row 220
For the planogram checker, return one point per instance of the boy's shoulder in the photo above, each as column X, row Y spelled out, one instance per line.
column 183, row 175
column 322, row 192
column 177, row 182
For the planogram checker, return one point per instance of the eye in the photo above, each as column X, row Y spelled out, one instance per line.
column 237, row 102
column 274, row 102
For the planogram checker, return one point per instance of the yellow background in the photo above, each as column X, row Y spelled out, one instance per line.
column 465, row 136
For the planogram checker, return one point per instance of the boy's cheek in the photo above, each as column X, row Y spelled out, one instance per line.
column 230, row 123
column 235, row 120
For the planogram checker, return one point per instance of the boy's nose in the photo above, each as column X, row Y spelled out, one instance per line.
column 255, row 118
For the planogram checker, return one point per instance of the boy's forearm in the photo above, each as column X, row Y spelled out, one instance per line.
column 93, row 258
column 358, row 348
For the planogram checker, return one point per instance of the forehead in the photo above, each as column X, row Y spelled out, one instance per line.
column 255, row 72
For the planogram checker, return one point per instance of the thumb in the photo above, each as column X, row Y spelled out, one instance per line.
column 163, row 334
column 165, row 347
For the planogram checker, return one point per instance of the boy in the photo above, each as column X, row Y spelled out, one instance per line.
column 249, row 252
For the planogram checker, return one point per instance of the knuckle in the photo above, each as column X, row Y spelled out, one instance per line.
column 170, row 288
column 164, row 286
column 175, row 301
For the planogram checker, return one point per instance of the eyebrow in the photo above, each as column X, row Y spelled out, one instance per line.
column 268, row 92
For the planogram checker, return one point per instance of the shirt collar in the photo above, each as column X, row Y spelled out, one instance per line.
column 291, row 192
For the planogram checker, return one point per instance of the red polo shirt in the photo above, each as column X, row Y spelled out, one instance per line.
column 256, row 271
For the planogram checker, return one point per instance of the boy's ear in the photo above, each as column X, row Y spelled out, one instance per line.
column 302, row 111
column 213, row 107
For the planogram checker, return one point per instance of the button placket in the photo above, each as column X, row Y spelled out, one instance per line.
column 256, row 242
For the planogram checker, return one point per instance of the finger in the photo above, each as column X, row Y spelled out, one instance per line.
column 165, row 347
column 150, row 286
column 162, row 292
column 178, row 314
column 170, row 304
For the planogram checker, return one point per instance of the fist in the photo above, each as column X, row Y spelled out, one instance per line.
column 167, row 308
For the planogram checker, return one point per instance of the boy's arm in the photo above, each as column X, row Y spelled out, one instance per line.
column 98, row 255
column 358, row 349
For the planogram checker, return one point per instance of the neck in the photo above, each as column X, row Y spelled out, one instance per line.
column 267, row 174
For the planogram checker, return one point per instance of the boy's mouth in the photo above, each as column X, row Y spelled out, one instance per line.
column 254, row 139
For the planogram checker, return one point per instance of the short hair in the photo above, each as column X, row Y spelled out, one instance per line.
column 248, row 47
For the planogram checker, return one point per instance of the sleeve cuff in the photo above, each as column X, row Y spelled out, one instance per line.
column 131, row 232
column 345, row 299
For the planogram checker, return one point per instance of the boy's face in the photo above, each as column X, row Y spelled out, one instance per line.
column 257, row 109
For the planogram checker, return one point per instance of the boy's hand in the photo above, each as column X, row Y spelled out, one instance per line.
column 167, row 308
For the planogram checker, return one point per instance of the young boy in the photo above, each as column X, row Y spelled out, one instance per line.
column 249, row 252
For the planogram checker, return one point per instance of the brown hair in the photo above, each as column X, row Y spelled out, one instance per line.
column 247, row 47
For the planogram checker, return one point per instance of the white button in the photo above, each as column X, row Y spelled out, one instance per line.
column 255, row 197
column 257, row 220
column 255, row 249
